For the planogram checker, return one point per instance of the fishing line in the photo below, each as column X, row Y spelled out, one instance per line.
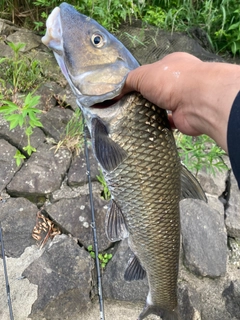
column 6, row 276
column 93, row 225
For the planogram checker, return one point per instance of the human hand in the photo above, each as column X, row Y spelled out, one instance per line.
column 199, row 94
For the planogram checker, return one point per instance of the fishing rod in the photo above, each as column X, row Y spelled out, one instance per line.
column 6, row 276
column 93, row 225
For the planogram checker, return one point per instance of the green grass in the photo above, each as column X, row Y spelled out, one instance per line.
column 219, row 18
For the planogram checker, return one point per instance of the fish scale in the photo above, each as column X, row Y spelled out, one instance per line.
column 150, row 206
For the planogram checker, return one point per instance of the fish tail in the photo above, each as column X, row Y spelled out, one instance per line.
column 161, row 312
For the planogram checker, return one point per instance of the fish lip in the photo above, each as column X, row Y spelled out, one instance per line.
column 53, row 36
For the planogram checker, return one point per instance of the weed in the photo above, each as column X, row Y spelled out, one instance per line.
column 73, row 136
column 21, row 72
column 24, row 115
column 199, row 152
column 104, row 258
column 219, row 18
column 105, row 193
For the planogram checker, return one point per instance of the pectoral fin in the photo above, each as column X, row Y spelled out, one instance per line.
column 108, row 153
column 190, row 187
column 134, row 270
column 116, row 228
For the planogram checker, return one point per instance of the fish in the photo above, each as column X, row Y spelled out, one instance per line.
column 134, row 145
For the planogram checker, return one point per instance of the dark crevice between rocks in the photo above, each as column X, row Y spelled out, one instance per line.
column 225, row 196
column 37, row 199
column 16, row 145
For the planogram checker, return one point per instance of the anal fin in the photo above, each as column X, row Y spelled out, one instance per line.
column 116, row 228
column 134, row 270
column 190, row 187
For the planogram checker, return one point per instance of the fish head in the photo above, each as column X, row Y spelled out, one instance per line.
column 93, row 61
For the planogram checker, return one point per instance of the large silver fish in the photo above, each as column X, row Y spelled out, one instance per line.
column 135, row 147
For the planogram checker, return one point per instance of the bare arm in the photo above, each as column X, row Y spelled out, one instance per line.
column 199, row 94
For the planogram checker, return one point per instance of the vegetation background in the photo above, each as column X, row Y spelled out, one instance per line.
column 220, row 19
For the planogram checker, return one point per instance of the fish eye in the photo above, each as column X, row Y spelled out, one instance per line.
column 97, row 40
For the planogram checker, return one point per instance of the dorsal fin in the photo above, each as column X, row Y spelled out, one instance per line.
column 108, row 153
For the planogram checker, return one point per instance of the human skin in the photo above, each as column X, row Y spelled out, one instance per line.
column 199, row 94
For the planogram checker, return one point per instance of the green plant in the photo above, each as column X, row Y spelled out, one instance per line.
column 24, row 115
column 73, row 135
column 105, row 193
column 219, row 18
column 199, row 152
column 21, row 72
column 155, row 16
column 104, row 258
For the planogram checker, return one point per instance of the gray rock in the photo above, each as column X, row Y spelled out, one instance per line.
column 74, row 215
column 64, row 277
column 114, row 285
column 213, row 184
column 66, row 192
column 55, row 120
column 204, row 239
column 5, row 50
column 41, row 174
column 189, row 304
column 202, row 297
column 7, row 27
column 51, row 69
column 18, row 217
column 232, row 296
column 233, row 210
column 47, row 92
column 25, row 36
column 8, row 165
column 77, row 173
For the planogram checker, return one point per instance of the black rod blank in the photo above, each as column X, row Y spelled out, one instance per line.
column 94, row 230
column 6, row 276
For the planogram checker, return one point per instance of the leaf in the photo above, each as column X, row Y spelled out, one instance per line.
column 16, row 46
column 31, row 101
column 234, row 26
column 10, row 105
column 90, row 248
column 92, row 254
column 13, row 123
column 29, row 149
column 35, row 123
column 20, row 120
column 19, row 157
column 3, row 59
column 100, row 256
